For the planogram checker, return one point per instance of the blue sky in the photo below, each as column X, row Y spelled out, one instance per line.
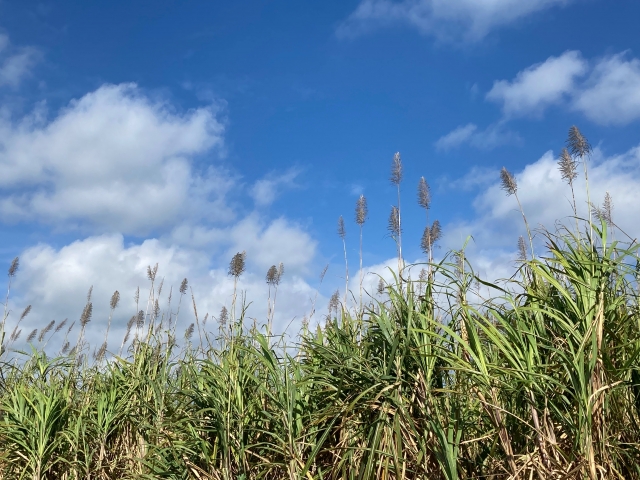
column 182, row 132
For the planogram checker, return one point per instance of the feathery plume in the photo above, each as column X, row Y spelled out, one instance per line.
column 61, row 325
column 424, row 194
column 183, row 286
column 396, row 169
column 65, row 347
column 430, row 236
column 32, row 335
column 204, row 320
column 160, row 287
column 115, row 300
column 101, row 352
column 577, row 143
column 136, row 297
column 25, row 312
column 280, row 272
column 422, row 277
column 15, row 334
column 189, row 331
column 342, row 232
column 508, row 181
column 605, row 212
column 334, row 302
column 272, row 275
column 380, row 286
column 324, row 272
column 522, row 249
column 568, row 166
column 140, row 319
column 361, row 210
column 86, row 314
column 237, row 264
column 224, row 316
column 151, row 272
column 13, row 268
column 89, row 293
column 46, row 330
column 394, row 222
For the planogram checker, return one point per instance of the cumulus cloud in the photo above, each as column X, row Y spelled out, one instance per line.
column 448, row 20
column 605, row 90
column 266, row 190
column 611, row 94
column 539, row 86
column 55, row 282
column 16, row 63
column 491, row 137
column 113, row 159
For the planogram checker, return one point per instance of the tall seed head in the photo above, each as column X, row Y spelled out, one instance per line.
column 115, row 300
column 508, row 182
column 394, row 222
column 86, row 314
column 61, row 325
column 334, row 302
column 25, row 312
column 101, row 352
column 183, row 286
column 280, row 272
column 224, row 316
column 13, row 268
column 430, row 236
column 361, row 210
column 324, row 272
column 237, row 264
column 151, row 272
column 32, row 335
column 342, row 232
column 272, row 275
column 380, row 286
column 140, row 319
column 396, row 169
column 568, row 166
column 424, row 194
column 89, row 293
column 522, row 250
column 605, row 212
column 189, row 331
column 577, row 144
column 46, row 330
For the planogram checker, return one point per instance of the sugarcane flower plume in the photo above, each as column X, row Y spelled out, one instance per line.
column 13, row 268
column 342, row 232
column 394, row 221
column 568, row 166
column 396, row 169
column 115, row 300
column 508, row 182
column 577, row 144
column 522, row 250
column 224, row 316
column 424, row 194
column 604, row 212
column 272, row 275
column 361, row 210
column 430, row 236
column 86, row 314
column 237, row 264
column 183, row 286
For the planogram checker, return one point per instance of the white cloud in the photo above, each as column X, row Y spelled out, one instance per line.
column 539, row 86
column 15, row 63
column 266, row 190
column 115, row 160
column 55, row 282
column 491, row 137
column 605, row 90
column 611, row 95
column 447, row 20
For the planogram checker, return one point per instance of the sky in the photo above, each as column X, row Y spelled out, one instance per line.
column 180, row 133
